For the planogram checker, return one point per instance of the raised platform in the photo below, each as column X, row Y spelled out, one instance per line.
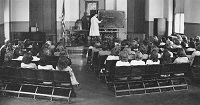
column 77, row 50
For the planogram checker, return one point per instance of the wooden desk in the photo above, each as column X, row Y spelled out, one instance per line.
column 79, row 37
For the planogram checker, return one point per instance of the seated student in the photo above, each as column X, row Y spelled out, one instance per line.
column 166, row 57
column 8, row 55
column 143, row 49
column 123, row 59
column 191, row 45
column 114, row 53
column 26, row 61
column 35, row 48
column 64, row 64
column 153, row 59
column 156, row 50
column 163, row 41
column 131, row 54
column 43, row 65
column 27, row 43
column 182, row 58
column 51, row 46
column 104, row 49
column 96, row 48
column 3, row 51
column 138, row 59
column 195, row 53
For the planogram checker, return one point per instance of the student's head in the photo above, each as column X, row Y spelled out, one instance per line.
column 45, row 46
column 35, row 45
column 64, row 62
column 181, row 52
column 143, row 48
column 123, row 56
column 97, row 45
column 184, row 38
column 115, row 51
column 166, row 55
column 27, row 58
column 85, row 13
column 163, row 39
column 49, row 42
column 43, row 60
column 154, row 56
column 16, row 41
column 104, row 46
column 198, row 47
column 197, row 39
column 124, row 42
column 177, row 41
column 191, row 39
column 138, row 55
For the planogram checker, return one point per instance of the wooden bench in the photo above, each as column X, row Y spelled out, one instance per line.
column 127, row 80
column 36, row 83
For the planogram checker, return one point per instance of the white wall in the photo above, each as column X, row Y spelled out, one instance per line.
column 71, row 10
column 154, row 9
column 121, row 5
column 168, row 13
column 192, row 11
column 7, row 18
column 110, row 4
column 19, row 10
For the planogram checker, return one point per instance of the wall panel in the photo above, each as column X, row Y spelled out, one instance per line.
column 43, row 13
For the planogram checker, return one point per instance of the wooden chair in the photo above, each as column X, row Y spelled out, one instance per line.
column 110, row 70
column 45, row 83
column 195, row 68
column 62, row 85
column 136, row 83
column 29, row 81
column 12, row 83
column 121, row 79
column 151, row 75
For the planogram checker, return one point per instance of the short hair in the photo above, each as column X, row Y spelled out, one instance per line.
column 154, row 56
column 63, row 62
column 198, row 47
column 27, row 58
column 43, row 60
column 105, row 46
column 115, row 51
column 181, row 52
column 138, row 55
column 166, row 55
column 45, row 46
column 123, row 56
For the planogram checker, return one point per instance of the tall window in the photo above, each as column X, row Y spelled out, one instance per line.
column 179, row 23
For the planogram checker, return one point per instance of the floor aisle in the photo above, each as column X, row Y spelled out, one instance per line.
column 92, row 92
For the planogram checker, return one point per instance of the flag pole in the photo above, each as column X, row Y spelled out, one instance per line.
column 63, row 22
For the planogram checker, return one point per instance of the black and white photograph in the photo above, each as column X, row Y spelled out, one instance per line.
column 99, row 52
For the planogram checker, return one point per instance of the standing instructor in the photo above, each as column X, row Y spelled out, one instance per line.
column 94, row 27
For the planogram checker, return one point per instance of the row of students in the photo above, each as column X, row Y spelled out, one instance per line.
column 64, row 64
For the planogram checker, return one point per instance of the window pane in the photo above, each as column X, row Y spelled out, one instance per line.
column 179, row 23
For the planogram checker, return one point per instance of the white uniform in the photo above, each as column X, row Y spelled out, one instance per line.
column 94, row 28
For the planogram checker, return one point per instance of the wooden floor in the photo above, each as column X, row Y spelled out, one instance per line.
column 93, row 92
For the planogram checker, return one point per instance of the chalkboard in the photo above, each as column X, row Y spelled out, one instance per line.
column 111, row 19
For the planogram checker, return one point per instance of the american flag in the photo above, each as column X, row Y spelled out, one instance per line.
column 63, row 20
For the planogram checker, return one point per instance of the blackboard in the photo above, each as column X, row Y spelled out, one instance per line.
column 112, row 19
